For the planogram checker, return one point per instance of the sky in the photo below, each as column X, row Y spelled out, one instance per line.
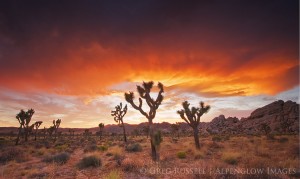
column 74, row 60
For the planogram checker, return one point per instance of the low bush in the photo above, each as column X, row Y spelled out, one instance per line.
column 136, row 147
column 90, row 148
column 230, row 158
column 12, row 153
column 216, row 138
column 89, row 161
column 181, row 155
column 102, row 148
column 115, row 174
column 60, row 158
column 283, row 140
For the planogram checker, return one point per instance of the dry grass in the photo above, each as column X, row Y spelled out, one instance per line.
column 236, row 152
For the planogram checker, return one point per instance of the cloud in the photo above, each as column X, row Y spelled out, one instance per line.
column 85, row 49
column 77, row 59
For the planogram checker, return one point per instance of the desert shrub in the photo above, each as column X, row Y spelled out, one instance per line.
column 294, row 151
column 46, row 144
column 60, row 158
column 181, row 155
column 38, row 145
column 199, row 155
column 82, row 140
column 91, row 139
column 12, row 154
column 109, row 154
column 230, row 158
column 136, row 147
column 90, row 148
column 216, row 138
column 89, row 161
column 38, row 175
column 215, row 145
column 102, row 148
column 3, row 143
column 283, row 139
column 271, row 137
column 131, row 165
column 61, row 147
column 40, row 152
column 115, row 174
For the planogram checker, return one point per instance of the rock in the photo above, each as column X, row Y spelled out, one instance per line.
column 280, row 116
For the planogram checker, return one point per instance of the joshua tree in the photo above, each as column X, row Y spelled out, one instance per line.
column 144, row 92
column 56, row 125
column 50, row 130
column 118, row 114
column 192, row 117
column 24, row 119
column 101, row 127
column 37, row 124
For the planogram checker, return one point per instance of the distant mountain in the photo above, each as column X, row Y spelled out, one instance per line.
column 280, row 116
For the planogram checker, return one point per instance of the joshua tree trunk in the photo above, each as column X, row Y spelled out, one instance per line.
column 18, row 137
column 124, row 132
column 35, row 134
column 26, row 133
column 153, row 147
column 196, row 138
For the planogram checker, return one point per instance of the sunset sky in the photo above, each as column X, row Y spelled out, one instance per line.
column 75, row 59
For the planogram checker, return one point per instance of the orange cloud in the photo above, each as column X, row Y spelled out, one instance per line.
column 92, row 69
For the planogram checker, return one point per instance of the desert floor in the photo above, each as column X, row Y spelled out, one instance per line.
column 89, row 157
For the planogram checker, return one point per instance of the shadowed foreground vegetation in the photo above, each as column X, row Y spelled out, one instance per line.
column 80, row 156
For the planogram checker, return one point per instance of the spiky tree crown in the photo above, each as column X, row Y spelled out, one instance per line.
column 24, row 118
column 144, row 93
column 56, row 123
column 192, row 115
column 101, row 125
column 37, row 124
column 119, row 113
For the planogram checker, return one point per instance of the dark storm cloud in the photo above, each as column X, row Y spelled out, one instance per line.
column 36, row 37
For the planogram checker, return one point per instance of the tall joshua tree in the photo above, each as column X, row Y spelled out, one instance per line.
column 24, row 119
column 37, row 124
column 118, row 115
column 144, row 92
column 192, row 117
column 21, row 116
column 101, row 127
column 56, row 125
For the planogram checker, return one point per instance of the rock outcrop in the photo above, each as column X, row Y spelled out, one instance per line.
column 280, row 116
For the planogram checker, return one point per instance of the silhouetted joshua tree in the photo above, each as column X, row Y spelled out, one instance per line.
column 192, row 117
column 54, row 128
column 101, row 127
column 144, row 92
column 118, row 115
column 24, row 119
column 37, row 124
